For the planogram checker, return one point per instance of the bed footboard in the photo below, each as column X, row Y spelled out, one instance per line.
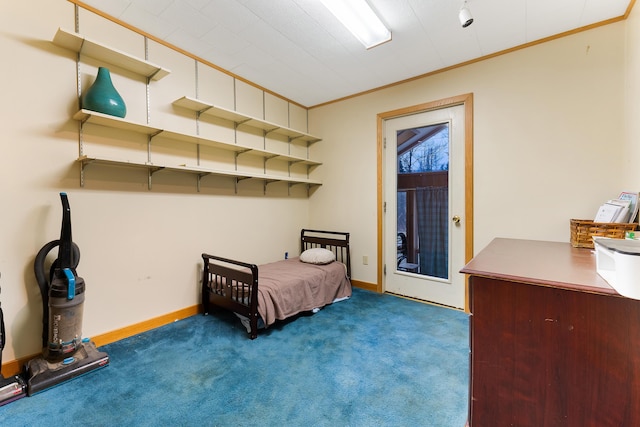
column 232, row 285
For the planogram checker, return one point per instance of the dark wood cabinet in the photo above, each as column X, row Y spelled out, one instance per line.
column 552, row 344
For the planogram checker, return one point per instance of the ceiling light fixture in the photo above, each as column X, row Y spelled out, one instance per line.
column 465, row 16
column 361, row 20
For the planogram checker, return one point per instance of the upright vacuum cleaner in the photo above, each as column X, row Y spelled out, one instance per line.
column 66, row 354
column 12, row 388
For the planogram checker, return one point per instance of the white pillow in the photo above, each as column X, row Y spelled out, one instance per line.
column 317, row 256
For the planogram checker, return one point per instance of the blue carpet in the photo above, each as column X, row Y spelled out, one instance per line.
column 374, row 360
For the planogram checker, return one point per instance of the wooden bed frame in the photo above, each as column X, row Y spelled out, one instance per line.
column 233, row 285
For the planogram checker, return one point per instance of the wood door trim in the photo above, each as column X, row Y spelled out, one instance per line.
column 467, row 101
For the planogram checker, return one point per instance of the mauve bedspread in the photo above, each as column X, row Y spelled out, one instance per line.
column 289, row 287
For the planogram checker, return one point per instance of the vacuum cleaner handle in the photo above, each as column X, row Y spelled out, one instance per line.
column 65, row 253
column 1, row 333
column 2, row 336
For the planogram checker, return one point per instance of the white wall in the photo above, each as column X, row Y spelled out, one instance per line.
column 140, row 249
column 631, row 159
column 549, row 141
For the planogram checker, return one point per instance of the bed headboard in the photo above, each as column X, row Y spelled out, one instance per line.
column 335, row 241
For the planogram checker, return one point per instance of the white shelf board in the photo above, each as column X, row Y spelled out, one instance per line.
column 260, row 176
column 78, row 43
column 94, row 117
column 239, row 118
column 193, row 169
column 85, row 160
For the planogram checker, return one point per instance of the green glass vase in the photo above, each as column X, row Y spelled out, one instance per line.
column 103, row 97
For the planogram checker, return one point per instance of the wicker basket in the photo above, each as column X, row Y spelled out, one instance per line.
column 583, row 230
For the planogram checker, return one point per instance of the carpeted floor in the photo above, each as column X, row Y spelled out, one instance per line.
column 374, row 360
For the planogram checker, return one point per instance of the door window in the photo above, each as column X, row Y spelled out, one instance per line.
column 423, row 200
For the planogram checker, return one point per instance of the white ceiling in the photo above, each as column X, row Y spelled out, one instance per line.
column 298, row 49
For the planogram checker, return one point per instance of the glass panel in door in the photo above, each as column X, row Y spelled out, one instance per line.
column 423, row 200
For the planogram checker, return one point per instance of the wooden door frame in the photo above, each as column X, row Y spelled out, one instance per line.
column 467, row 101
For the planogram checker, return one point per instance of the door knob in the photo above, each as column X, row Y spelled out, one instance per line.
column 456, row 219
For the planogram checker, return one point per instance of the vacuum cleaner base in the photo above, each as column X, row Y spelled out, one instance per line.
column 12, row 388
column 42, row 374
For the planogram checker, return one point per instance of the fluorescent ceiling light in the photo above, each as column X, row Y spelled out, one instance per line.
column 361, row 20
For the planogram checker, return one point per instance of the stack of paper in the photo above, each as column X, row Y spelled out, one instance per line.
column 633, row 205
column 622, row 209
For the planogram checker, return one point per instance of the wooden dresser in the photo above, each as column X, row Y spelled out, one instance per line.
column 552, row 344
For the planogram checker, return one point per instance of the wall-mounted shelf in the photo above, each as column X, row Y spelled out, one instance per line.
column 84, row 46
column 242, row 119
column 196, row 170
column 87, row 116
column 80, row 44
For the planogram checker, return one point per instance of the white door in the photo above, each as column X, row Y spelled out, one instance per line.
column 424, row 205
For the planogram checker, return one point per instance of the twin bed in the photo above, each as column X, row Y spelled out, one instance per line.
column 261, row 295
